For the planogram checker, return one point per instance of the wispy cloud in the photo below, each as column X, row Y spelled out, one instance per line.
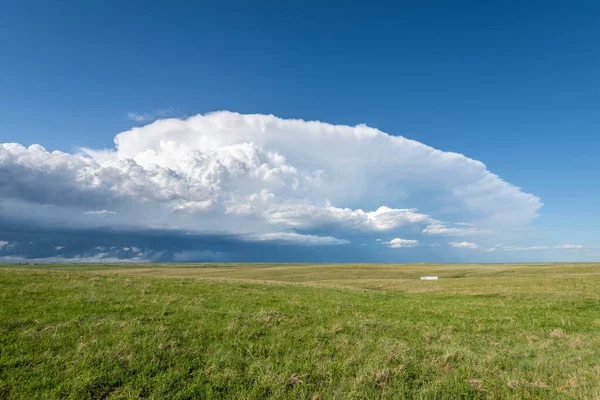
column 462, row 229
column 308, row 240
column 500, row 247
column 154, row 115
column 74, row 259
column 464, row 245
column 569, row 246
column 101, row 212
column 533, row 248
column 5, row 244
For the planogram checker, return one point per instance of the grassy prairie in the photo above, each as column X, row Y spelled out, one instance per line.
column 300, row 331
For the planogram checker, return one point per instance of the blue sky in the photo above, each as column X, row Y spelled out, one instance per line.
column 512, row 85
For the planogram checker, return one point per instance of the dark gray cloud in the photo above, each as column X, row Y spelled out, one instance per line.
column 33, row 242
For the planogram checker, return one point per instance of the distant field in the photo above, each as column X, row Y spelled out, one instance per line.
column 299, row 331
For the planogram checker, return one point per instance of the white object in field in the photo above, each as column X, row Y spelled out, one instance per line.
column 429, row 278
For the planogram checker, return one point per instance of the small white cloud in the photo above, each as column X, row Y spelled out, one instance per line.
column 442, row 229
column 379, row 240
column 138, row 117
column 570, row 247
column 464, row 245
column 58, row 248
column 520, row 248
column 100, row 212
column 296, row 238
column 193, row 207
column 154, row 115
column 402, row 243
column 533, row 248
column 240, row 209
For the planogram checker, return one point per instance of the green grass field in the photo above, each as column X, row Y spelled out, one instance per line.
column 300, row 331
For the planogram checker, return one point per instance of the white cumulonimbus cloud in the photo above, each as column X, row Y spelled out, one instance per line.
column 262, row 175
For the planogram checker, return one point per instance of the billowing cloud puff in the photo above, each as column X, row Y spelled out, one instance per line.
column 306, row 215
column 262, row 176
